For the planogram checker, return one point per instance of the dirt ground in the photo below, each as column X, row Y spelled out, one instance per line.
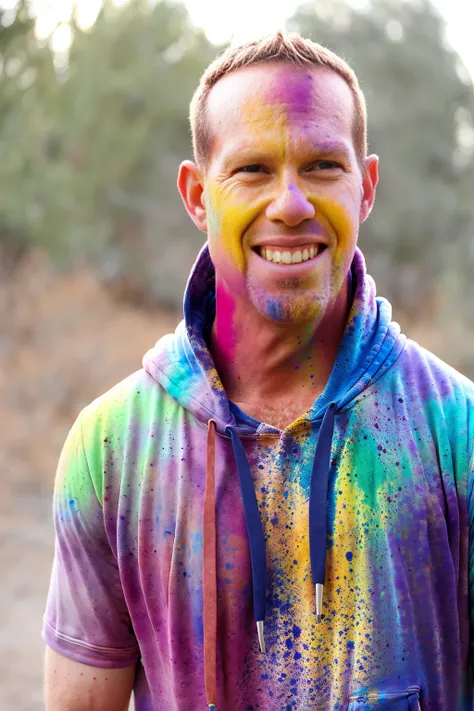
column 63, row 341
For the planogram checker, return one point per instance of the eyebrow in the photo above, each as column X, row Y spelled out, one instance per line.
column 331, row 147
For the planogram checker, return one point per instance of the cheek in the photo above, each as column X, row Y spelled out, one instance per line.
column 342, row 222
column 227, row 221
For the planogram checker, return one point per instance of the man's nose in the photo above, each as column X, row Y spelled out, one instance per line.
column 291, row 206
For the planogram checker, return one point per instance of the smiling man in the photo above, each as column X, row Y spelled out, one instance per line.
column 281, row 200
column 274, row 512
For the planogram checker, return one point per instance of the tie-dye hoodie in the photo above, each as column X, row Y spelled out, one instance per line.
column 158, row 562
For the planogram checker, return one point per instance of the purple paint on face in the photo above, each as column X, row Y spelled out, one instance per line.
column 296, row 94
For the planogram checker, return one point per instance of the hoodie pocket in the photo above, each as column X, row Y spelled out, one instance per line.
column 407, row 700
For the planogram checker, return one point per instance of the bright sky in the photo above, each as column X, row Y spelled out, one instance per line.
column 246, row 19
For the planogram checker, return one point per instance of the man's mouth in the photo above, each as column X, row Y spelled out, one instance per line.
column 290, row 255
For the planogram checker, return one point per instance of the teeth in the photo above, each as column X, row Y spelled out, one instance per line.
column 287, row 257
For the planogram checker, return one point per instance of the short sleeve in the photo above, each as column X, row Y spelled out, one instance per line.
column 86, row 617
column 470, row 500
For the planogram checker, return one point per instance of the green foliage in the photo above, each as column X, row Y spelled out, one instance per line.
column 90, row 147
column 25, row 70
column 422, row 226
column 94, row 174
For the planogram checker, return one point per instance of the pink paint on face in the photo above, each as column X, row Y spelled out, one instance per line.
column 225, row 323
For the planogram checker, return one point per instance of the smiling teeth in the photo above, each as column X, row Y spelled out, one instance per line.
column 287, row 257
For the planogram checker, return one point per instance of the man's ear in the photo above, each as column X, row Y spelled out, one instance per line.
column 191, row 189
column 370, row 178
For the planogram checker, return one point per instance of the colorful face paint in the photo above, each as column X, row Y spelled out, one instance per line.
column 127, row 585
column 283, row 168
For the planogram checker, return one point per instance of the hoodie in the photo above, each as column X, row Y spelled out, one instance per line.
column 238, row 566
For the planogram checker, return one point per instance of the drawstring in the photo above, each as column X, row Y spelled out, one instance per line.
column 209, row 571
column 255, row 535
column 317, row 538
column 318, row 504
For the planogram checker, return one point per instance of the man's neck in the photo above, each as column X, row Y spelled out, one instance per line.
column 273, row 371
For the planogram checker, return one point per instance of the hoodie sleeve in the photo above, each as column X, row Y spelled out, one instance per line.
column 86, row 616
column 470, row 500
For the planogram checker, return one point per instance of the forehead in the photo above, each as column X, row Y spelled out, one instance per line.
column 271, row 103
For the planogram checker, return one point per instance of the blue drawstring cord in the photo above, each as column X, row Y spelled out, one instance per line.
column 317, row 518
column 255, row 534
column 318, row 505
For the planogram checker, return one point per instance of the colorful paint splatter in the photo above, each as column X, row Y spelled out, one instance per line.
column 127, row 578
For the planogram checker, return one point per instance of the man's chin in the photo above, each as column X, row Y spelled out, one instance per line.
column 291, row 309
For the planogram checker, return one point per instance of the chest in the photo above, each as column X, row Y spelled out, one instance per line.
column 383, row 493
column 393, row 552
column 279, row 413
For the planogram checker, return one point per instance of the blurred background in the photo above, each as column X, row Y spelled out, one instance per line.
column 95, row 245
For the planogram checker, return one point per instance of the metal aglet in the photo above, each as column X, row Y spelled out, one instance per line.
column 319, row 601
column 261, row 638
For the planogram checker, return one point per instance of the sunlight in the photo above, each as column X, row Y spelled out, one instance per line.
column 240, row 21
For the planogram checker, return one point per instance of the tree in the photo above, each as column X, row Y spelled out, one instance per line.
column 108, row 134
column 25, row 71
column 418, row 98
column 90, row 147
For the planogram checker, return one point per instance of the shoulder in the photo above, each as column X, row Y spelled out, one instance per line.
column 437, row 394
column 113, row 429
column 426, row 376
column 124, row 410
column 438, row 403
column 128, row 397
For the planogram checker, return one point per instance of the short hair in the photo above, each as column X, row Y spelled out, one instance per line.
column 290, row 48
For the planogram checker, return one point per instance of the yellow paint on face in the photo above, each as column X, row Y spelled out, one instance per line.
column 231, row 207
column 227, row 221
column 231, row 216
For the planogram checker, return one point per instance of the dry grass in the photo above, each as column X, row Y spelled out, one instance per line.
column 63, row 341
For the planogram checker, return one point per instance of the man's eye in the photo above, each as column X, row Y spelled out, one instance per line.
column 326, row 165
column 254, row 168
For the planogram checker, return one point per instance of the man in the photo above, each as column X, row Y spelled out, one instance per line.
column 272, row 513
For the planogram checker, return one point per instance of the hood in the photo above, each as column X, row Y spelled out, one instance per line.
column 182, row 364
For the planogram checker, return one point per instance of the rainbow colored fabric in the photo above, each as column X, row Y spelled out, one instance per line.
column 126, row 585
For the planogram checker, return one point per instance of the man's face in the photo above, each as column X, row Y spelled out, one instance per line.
column 284, row 194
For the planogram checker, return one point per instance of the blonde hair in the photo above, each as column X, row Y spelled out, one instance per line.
column 290, row 48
